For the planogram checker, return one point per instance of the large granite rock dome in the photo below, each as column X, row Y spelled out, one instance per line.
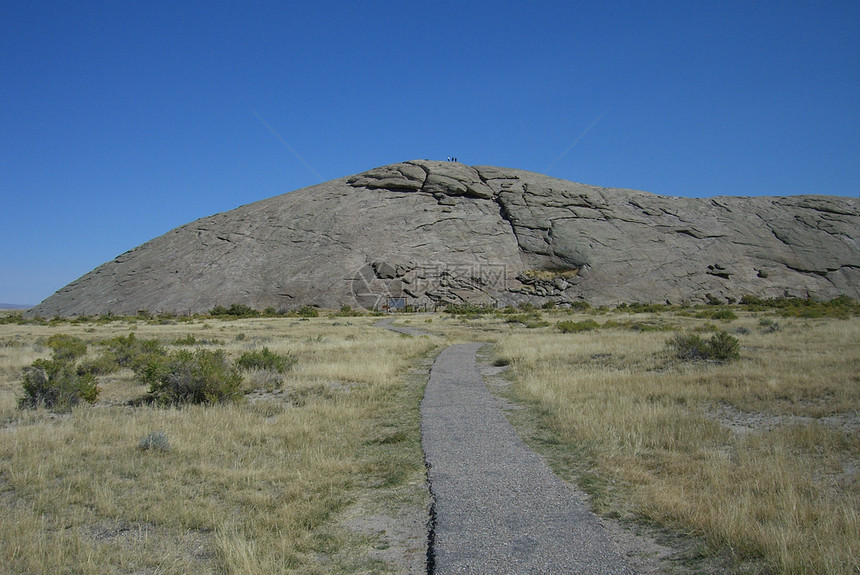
column 426, row 233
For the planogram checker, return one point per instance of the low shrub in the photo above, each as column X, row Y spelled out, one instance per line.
column 531, row 320
column 635, row 325
column 236, row 310
column 724, row 314
column 577, row 326
column 721, row 346
column 265, row 359
column 154, row 441
column 308, row 311
column 16, row 318
column 347, row 311
column 469, row 309
column 637, row 307
column 713, row 300
column 187, row 340
column 136, row 354
column 101, row 365
column 56, row 385
column 201, row 376
column 67, row 348
column 688, row 346
column 265, row 379
column 841, row 307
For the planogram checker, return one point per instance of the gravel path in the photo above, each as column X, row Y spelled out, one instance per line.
column 498, row 507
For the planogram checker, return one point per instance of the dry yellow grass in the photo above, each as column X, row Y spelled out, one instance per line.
column 758, row 456
column 253, row 487
column 551, row 274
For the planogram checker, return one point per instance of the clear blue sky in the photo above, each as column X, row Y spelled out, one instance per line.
column 122, row 120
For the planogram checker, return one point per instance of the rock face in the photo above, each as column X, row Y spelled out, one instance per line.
column 425, row 233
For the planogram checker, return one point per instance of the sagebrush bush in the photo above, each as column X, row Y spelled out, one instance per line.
column 635, row 325
column 531, row 320
column 101, row 365
column 724, row 314
column 133, row 353
column 187, row 340
column 265, row 359
column 67, row 348
column 265, row 379
column 637, row 307
column 236, row 310
column 347, row 311
column 14, row 318
column 721, row 346
column 308, row 311
column 577, row 326
column 201, row 376
column 154, row 441
column 841, row 307
column 56, row 385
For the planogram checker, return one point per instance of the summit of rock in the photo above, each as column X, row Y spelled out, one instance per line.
column 424, row 233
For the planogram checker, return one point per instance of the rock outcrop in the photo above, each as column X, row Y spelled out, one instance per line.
column 425, row 233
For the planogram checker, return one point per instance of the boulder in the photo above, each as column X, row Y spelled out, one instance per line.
column 456, row 233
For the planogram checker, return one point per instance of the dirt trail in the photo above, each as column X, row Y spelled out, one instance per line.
column 387, row 324
column 498, row 507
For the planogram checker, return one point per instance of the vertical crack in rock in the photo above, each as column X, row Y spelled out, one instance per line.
column 504, row 212
column 431, row 524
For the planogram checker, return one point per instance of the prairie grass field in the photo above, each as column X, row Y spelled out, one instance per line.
column 262, row 485
column 757, row 456
column 320, row 469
